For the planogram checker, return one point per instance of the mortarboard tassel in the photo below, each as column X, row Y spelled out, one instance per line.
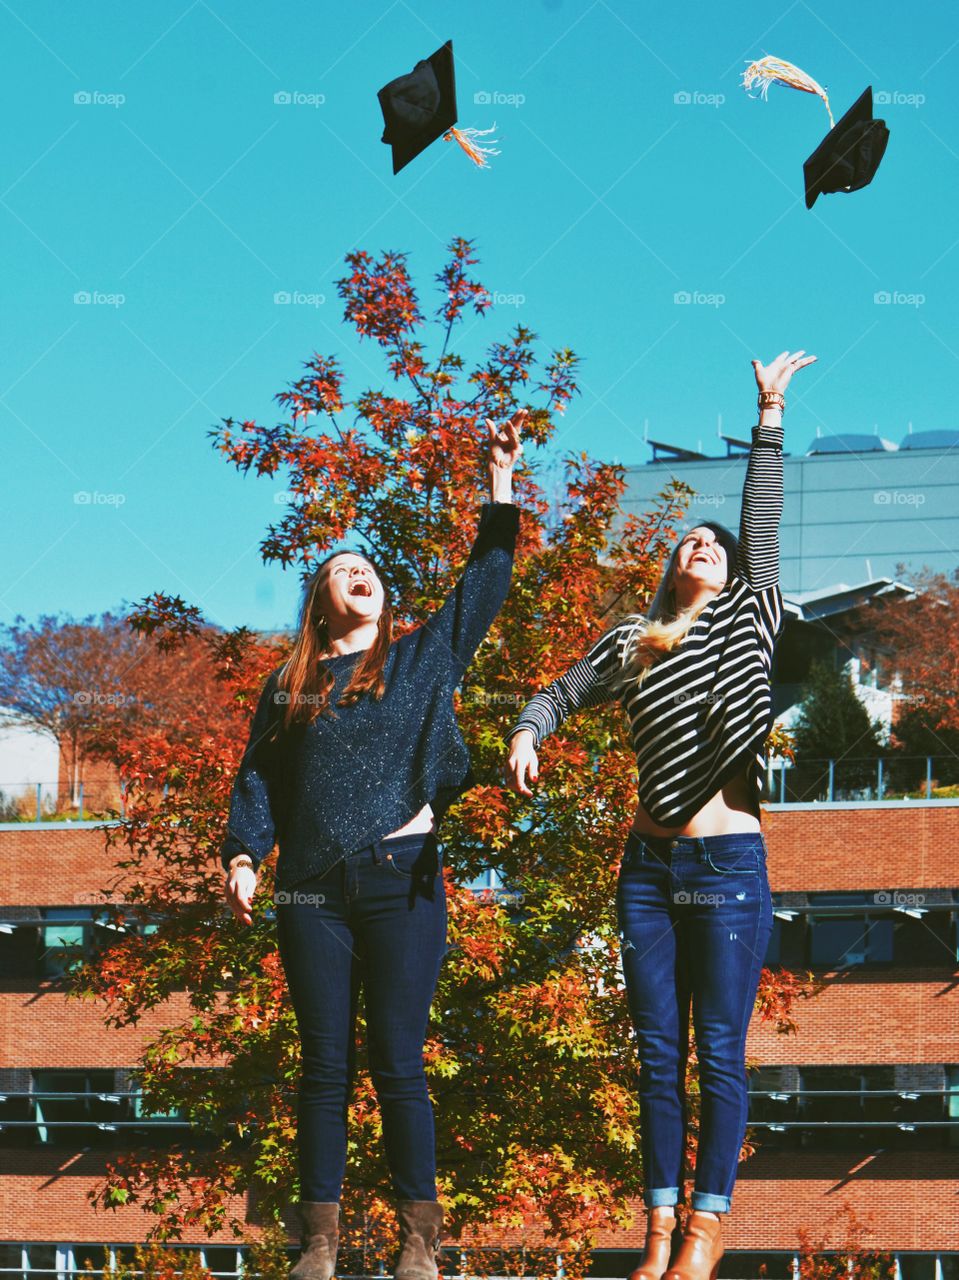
column 771, row 70
column 477, row 151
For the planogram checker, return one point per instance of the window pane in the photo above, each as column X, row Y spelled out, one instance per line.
column 838, row 940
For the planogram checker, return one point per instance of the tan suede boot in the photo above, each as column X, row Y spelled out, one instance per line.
column 420, row 1222
column 320, row 1236
column 698, row 1256
column 659, row 1239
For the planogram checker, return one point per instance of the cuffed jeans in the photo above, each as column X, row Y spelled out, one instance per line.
column 377, row 920
column 695, row 916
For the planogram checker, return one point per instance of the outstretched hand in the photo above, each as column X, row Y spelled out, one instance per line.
column 775, row 375
column 504, row 445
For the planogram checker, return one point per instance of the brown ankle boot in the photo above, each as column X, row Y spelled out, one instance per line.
column 659, row 1238
column 320, row 1235
column 420, row 1222
column 698, row 1256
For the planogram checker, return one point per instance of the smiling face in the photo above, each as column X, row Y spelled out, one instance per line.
column 700, row 563
column 350, row 593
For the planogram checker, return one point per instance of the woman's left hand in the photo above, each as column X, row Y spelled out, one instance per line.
column 775, row 375
column 504, row 445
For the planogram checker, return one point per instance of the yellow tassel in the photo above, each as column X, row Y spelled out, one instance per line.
column 771, row 70
column 477, row 151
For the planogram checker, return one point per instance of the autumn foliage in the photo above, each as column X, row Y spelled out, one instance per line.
column 530, row 1055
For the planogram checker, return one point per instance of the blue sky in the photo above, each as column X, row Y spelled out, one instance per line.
column 183, row 197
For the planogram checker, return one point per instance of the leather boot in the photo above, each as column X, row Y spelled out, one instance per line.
column 420, row 1222
column 698, row 1256
column 659, row 1239
column 319, row 1222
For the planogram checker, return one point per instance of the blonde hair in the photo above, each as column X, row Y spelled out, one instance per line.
column 662, row 627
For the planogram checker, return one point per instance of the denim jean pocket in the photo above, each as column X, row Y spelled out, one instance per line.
column 736, row 861
column 412, row 861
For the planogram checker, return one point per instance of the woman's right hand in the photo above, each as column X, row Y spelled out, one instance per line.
column 522, row 757
column 240, row 887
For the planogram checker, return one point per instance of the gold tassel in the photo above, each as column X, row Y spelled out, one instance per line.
column 477, row 151
column 771, row 70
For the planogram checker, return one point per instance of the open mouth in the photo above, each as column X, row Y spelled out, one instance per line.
column 361, row 588
column 701, row 555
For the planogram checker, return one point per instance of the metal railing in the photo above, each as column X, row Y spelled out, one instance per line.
column 866, row 778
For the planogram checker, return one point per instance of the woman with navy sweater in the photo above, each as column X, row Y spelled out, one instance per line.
column 354, row 756
column 693, row 901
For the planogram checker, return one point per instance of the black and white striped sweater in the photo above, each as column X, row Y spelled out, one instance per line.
column 704, row 710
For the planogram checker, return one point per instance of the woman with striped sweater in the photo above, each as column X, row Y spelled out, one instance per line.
column 693, row 899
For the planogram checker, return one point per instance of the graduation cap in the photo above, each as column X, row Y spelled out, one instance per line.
column 420, row 107
column 849, row 154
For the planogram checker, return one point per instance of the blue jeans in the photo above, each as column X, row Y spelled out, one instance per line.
column 377, row 920
column 695, row 916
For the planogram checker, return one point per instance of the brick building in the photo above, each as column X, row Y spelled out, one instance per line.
column 860, row 1108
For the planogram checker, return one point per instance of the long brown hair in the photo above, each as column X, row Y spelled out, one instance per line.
column 663, row 627
column 305, row 679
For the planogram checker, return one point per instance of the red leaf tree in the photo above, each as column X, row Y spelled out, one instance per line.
column 530, row 1054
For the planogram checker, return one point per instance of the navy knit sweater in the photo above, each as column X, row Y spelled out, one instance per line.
column 327, row 789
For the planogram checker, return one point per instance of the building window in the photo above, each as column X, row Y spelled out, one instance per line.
column 841, row 941
column 70, row 1107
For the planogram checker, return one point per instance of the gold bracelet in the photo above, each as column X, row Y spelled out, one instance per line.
column 242, row 860
column 772, row 400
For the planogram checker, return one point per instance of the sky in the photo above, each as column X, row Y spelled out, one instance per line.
column 174, row 167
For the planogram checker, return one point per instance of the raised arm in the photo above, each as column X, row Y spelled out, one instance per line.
column 458, row 627
column 757, row 560
column 251, row 826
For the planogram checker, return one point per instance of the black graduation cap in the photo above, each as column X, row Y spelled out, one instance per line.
column 849, row 155
column 420, row 107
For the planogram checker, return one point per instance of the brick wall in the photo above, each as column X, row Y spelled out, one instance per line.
column 892, row 1016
